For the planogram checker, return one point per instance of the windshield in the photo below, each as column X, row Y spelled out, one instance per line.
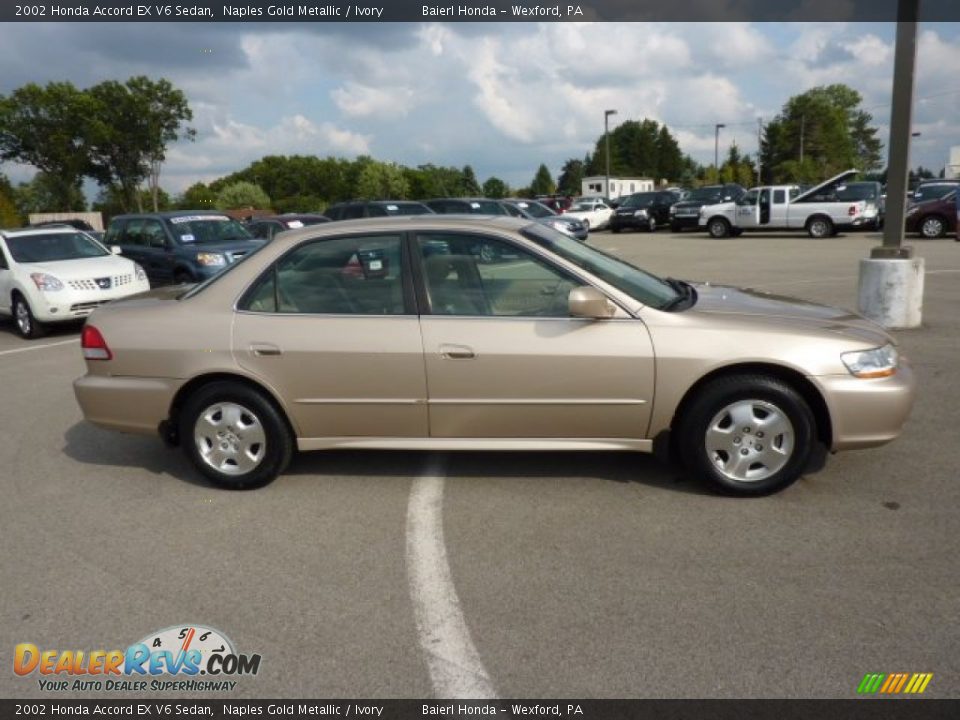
column 59, row 246
column 705, row 193
column 535, row 209
column 639, row 200
column 638, row 284
column 207, row 229
column 405, row 209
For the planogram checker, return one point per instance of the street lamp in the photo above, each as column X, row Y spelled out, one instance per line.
column 716, row 147
column 606, row 139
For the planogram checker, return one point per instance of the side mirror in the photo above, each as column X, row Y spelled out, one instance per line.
column 116, row 249
column 588, row 302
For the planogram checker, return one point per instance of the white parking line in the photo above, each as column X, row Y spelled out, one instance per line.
column 38, row 347
column 452, row 660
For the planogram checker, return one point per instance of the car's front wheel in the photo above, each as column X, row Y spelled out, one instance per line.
column 235, row 436
column 718, row 228
column 27, row 324
column 747, row 435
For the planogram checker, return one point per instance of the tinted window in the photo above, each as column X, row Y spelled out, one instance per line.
column 202, row 229
column 640, row 200
column 779, row 197
column 749, row 198
column 404, row 209
column 352, row 212
column 334, row 213
column 152, row 234
column 353, row 276
column 472, row 275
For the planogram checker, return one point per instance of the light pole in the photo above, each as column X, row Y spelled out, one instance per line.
column 606, row 140
column 716, row 148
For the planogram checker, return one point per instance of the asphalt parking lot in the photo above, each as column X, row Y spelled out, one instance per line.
column 575, row 575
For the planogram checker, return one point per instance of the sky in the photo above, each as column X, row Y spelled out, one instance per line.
column 502, row 98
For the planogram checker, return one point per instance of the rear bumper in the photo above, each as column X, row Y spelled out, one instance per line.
column 126, row 404
column 866, row 413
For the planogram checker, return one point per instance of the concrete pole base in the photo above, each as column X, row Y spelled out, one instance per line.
column 891, row 291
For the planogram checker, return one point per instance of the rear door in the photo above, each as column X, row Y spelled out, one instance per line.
column 504, row 359
column 332, row 328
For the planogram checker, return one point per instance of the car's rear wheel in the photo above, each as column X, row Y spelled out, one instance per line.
column 747, row 435
column 820, row 227
column 235, row 436
column 718, row 228
column 933, row 227
column 27, row 324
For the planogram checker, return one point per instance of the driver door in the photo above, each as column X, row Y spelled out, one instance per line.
column 504, row 359
column 748, row 210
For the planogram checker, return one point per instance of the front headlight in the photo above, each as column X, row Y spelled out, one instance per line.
column 640, row 213
column 215, row 259
column 47, row 283
column 876, row 363
column 141, row 273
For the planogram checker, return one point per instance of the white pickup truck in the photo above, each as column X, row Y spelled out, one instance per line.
column 785, row 207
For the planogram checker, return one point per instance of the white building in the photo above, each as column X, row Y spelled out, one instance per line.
column 619, row 187
column 953, row 166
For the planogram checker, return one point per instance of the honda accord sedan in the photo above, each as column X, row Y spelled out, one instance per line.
column 393, row 333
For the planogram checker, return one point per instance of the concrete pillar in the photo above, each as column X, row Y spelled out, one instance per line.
column 891, row 291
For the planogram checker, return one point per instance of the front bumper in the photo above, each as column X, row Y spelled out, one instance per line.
column 71, row 304
column 630, row 221
column 685, row 222
column 868, row 412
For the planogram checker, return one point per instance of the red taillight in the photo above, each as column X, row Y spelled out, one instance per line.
column 93, row 344
column 852, row 211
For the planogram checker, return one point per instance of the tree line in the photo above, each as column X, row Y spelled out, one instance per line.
column 117, row 134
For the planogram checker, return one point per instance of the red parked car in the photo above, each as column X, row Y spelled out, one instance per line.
column 933, row 218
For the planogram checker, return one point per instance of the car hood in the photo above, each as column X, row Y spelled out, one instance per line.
column 81, row 268
column 747, row 302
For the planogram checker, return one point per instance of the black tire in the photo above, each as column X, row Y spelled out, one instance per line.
column 277, row 449
column 820, row 227
column 674, row 228
column 27, row 325
column 614, row 228
column 933, row 227
column 718, row 228
column 182, row 277
column 755, row 394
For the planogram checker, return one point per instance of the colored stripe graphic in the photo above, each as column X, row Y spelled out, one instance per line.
column 894, row 683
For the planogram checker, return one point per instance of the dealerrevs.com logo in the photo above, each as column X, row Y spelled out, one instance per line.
column 180, row 658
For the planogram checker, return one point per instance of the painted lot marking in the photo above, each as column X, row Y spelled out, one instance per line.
column 38, row 347
column 452, row 660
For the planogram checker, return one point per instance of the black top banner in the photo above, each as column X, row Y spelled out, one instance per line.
column 475, row 11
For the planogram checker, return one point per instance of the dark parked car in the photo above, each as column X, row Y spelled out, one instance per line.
column 269, row 225
column 355, row 209
column 466, row 206
column 535, row 210
column 643, row 211
column 183, row 246
column 933, row 189
column 933, row 218
column 685, row 214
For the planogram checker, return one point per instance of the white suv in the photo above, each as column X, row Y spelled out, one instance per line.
column 58, row 274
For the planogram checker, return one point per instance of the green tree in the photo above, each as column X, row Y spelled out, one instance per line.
column 47, row 193
column 109, row 201
column 542, row 183
column 639, row 148
column 130, row 126
column 382, row 181
column 197, row 197
column 570, row 181
column 242, row 195
column 495, row 188
column 9, row 215
column 46, row 127
column 817, row 134
column 469, row 187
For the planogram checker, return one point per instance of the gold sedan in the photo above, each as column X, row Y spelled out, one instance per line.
column 481, row 333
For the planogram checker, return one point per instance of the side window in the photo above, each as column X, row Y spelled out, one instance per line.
column 512, row 210
column 779, row 197
column 133, row 233
column 342, row 276
column 153, row 234
column 352, row 212
column 749, row 198
column 480, row 276
column 114, row 232
column 334, row 213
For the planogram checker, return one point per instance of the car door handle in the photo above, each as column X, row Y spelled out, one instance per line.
column 264, row 349
column 457, row 352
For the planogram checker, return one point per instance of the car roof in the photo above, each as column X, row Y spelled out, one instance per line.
column 26, row 231
column 167, row 214
column 402, row 223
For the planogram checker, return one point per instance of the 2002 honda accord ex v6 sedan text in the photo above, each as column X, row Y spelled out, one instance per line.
column 402, row 333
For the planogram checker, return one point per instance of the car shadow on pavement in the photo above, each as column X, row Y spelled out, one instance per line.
column 91, row 445
column 621, row 467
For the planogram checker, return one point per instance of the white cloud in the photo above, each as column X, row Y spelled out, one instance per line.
column 363, row 100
